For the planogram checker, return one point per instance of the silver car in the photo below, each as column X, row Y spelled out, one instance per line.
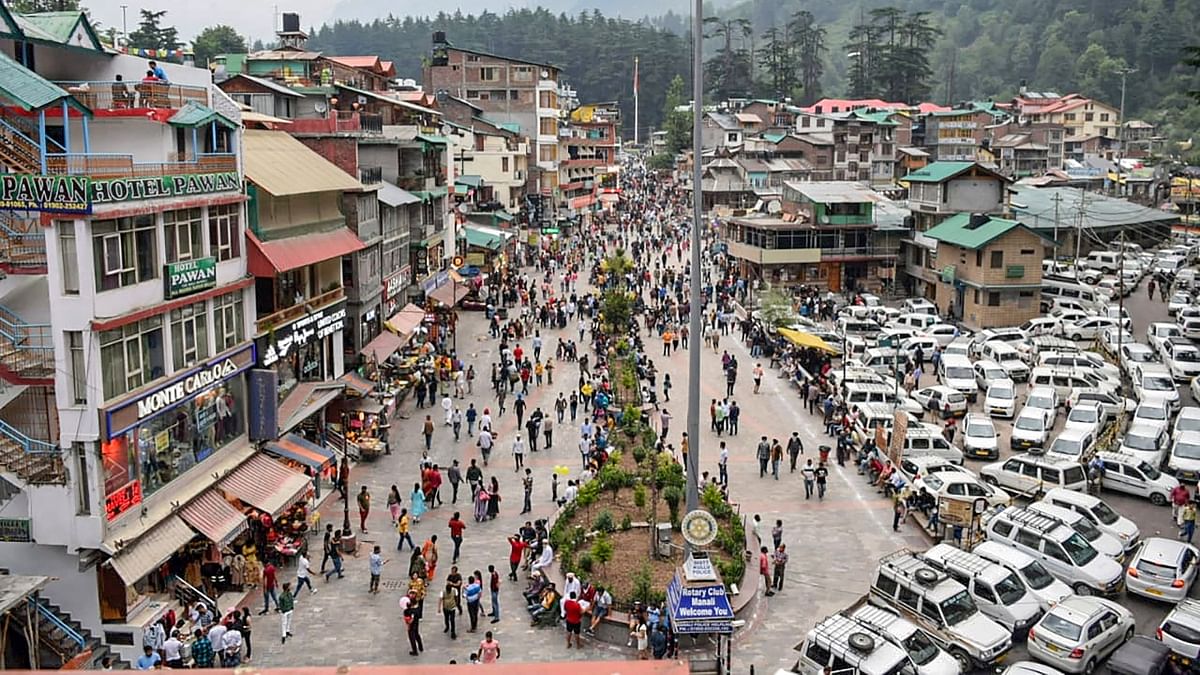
column 1079, row 632
column 1162, row 569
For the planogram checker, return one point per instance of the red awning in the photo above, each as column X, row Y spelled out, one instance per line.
column 266, row 484
column 214, row 517
column 405, row 322
column 384, row 345
column 267, row 258
column 449, row 294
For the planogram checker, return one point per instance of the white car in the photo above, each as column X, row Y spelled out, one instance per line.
column 914, row 467
column 1181, row 357
column 1136, row 353
column 1030, row 430
column 1071, row 444
column 1162, row 569
column 1153, row 413
column 1001, row 399
column 1125, row 473
column 1195, row 387
column 1098, row 511
column 1086, row 416
column 1184, row 460
column 964, row 486
column 944, row 333
column 1089, row 328
column 1188, row 419
column 979, row 437
column 1177, row 302
column 1154, row 383
column 1111, row 402
column 987, row 372
column 1146, row 442
column 1180, row 630
column 937, row 397
column 1079, row 632
column 1042, row 325
column 1114, row 339
column 1045, row 587
column 1100, row 540
column 1044, row 399
column 1161, row 330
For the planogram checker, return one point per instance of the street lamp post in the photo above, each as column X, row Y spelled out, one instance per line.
column 693, row 416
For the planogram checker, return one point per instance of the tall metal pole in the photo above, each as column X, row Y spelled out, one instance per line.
column 696, row 342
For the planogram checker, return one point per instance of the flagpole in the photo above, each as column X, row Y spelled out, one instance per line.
column 635, row 100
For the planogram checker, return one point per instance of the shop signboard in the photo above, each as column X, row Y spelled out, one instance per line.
column 123, row 499
column 393, row 285
column 899, row 434
column 315, row 325
column 263, row 404
column 189, row 276
column 156, row 187
column 59, row 194
column 77, row 194
column 15, row 530
column 955, row 511
column 699, row 607
column 184, row 387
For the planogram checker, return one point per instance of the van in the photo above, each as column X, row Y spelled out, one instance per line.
column 915, row 320
column 839, row 644
column 1031, row 474
column 1066, row 287
column 884, row 361
column 927, row 441
column 907, row 584
column 1169, row 264
column 862, row 392
column 1008, row 357
column 918, row 306
column 864, row 328
column 956, row 372
column 1094, row 509
column 1060, row 549
column 999, row 593
column 853, row 374
column 894, row 335
column 1064, row 380
column 926, row 655
column 1103, row 542
column 871, row 415
column 1044, row 586
column 1105, row 261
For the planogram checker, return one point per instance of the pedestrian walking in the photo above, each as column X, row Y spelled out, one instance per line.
column 402, row 527
column 809, row 472
column 494, row 590
column 393, row 504
column 489, row 649
column 1188, row 518
column 764, row 569
column 777, row 534
column 417, row 497
column 723, row 465
column 427, row 430
column 779, row 566
column 764, row 456
column 572, row 614
column 822, row 476
column 776, row 457
column 527, row 485
column 448, row 601
column 364, row 508
column 303, row 574
column 456, row 423
column 518, row 451
column 268, row 589
column 473, row 593
column 335, row 556
column 795, row 448
column 412, row 623
column 286, row 606
column 454, row 475
column 325, row 546
column 375, row 565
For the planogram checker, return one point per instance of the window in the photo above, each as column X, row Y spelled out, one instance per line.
column 984, row 592
column 227, row 320
column 909, row 597
column 185, row 240
column 731, row 137
column 504, row 165
column 126, row 251
column 487, row 74
column 514, row 94
column 817, row 653
column 225, row 231
column 472, row 58
column 805, row 122
column 1070, row 117
column 78, row 365
column 1103, row 117
column 69, row 255
column 522, row 73
column 1030, row 539
column 1002, row 528
column 132, row 356
column 498, row 94
column 993, row 299
column 472, row 94
column 997, row 259
column 930, row 610
column 886, row 585
column 83, row 496
column 1055, row 551
column 1027, row 251
column 979, row 258
column 1088, row 117
column 368, row 207
column 189, row 335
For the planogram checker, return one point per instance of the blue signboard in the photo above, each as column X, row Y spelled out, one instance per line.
column 263, row 404
column 699, row 607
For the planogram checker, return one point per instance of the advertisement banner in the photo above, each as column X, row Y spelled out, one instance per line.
column 189, row 276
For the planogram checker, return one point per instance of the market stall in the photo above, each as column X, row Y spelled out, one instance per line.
column 365, row 422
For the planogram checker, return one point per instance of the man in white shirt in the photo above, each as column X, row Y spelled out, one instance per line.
column 447, row 408
column 485, row 445
column 231, row 648
column 518, row 450
column 723, row 465
column 216, row 634
column 545, row 559
column 173, row 651
column 303, row 570
column 585, row 449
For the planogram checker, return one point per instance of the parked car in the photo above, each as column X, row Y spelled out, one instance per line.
column 1184, row 460
column 979, row 437
column 1162, row 569
column 1001, row 399
column 1146, row 442
column 1079, row 632
column 1181, row 356
column 1127, row 473
column 1044, row 399
column 1048, row 590
column 1180, row 630
column 937, row 397
column 1030, row 430
column 1099, row 512
column 1086, row 416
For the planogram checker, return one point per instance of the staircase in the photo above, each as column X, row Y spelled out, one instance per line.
column 26, row 350
column 22, row 244
column 34, row 462
column 18, row 151
column 60, row 638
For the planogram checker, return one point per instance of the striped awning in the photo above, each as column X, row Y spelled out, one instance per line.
column 215, row 518
column 266, row 484
column 144, row 555
column 297, row 448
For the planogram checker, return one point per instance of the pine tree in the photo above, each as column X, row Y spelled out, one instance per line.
column 729, row 72
column 676, row 123
column 809, row 53
column 151, row 35
column 778, row 62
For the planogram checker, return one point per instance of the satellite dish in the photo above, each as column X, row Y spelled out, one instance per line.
column 446, row 129
column 320, row 107
column 774, row 206
column 545, row 73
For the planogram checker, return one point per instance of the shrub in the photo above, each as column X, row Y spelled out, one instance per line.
column 714, row 502
column 578, row 536
column 602, row 550
column 639, row 454
column 586, row 563
column 626, row 523
column 673, row 495
column 643, row 585
column 588, row 493
column 604, row 522
column 733, row 570
column 639, row 496
column 649, row 436
column 631, row 416
column 669, row 474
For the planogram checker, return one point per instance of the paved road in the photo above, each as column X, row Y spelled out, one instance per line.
column 834, row 544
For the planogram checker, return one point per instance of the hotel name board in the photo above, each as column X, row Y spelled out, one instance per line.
column 78, row 194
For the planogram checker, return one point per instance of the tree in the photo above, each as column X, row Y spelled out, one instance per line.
column 730, row 71
column 151, row 35
column 777, row 62
column 776, row 308
column 677, row 123
column 1192, row 59
column 602, row 549
column 217, row 40
column 809, row 53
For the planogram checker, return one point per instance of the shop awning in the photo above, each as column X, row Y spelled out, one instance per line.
column 469, row 181
column 194, row 114
column 306, row 399
column 405, row 321
column 384, row 345
column 268, row 258
column 802, row 339
column 357, row 383
column 486, row 237
column 298, row 449
column 144, row 555
column 266, row 484
column 214, row 517
column 449, row 294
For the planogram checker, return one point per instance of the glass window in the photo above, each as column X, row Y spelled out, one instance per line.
column 930, row 610
column 189, row 335
column 228, row 320
column 1030, row 539
column 184, row 233
column 78, row 366
column 132, row 356
column 886, row 585
column 225, row 231
column 69, row 255
column 984, row 592
column 125, row 251
column 1002, row 528
column 909, row 597
column 83, row 496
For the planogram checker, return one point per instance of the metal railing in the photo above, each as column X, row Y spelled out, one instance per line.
column 189, row 595
column 370, row 175
column 21, row 246
column 30, row 446
column 848, row 251
column 67, row 631
column 114, row 95
column 299, row 309
column 115, row 165
column 27, row 125
column 21, row 150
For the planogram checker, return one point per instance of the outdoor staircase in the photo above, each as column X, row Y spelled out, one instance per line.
column 34, row 462
column 60, row 638
column 22, row 244
column 18, row 151
column 26, row 350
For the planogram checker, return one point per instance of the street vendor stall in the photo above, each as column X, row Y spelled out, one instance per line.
column 366, row 423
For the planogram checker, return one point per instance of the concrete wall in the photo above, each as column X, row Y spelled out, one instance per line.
column 74, row 591
column 974, row 195
column 290, row 211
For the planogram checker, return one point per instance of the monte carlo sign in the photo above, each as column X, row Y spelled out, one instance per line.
column 77, row 194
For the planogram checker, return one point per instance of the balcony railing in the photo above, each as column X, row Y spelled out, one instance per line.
column 370, row 175
column 113, row 95
column 338, row 121
column 299, row 309
column 105, row 165
column 859, row 252
column 22, row 244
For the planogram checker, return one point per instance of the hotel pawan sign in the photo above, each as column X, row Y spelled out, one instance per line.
column 168, row 396
column 77, row 194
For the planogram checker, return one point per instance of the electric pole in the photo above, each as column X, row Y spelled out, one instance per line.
column 1056, row 199
column 694, row 346
column 1121, row 128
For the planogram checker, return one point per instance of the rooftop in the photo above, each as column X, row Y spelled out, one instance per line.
column 280, row 164
column 834, row 192
column 938, row 172
column 972, row 231
column 1036, row 208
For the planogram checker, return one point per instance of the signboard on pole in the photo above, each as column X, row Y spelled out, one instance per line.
column 899, row 433
column 698, row 607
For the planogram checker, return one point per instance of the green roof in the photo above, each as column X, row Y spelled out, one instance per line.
column 197, row 115
column 429, row 195
column 432, row 139
column 774, row 136
column 486, row 237
column 511, row 126
column 30, row 90
column 234, row 63
column 957, row 230
column 57, row 28
column 469, row 181
column 938, row 172
column 952, row 113
column 878, row 117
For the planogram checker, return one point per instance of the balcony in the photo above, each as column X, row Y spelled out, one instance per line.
column 583, row 163
column 957, row 125
column 851, row 252
column 370, row 175
column 104, row 95
column 112, row 165
column 299, row 309
column 338, row 122
column 957, row 140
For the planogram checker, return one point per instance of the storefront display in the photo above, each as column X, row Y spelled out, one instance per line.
column 303, row 350
column 152, row 439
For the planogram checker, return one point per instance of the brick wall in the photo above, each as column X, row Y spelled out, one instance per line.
column 1015, row 305
column 342, row 152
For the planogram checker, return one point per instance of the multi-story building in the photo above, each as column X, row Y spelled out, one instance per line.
column 722, row 130
column 1080, row 117
column 1035, row 133
column 841, row 217
column 1141, row 140
column 126, row 330
column 955, row 135
column 588, row 158
column 989, row 270
column 937, row 192
column 1019, row 156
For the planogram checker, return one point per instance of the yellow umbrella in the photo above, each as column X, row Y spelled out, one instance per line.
column 801, row 339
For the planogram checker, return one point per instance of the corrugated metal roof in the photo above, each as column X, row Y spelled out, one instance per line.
column 937, row 172
column 266, row 484
column 957, row 230
column 469, row 181
column 270, row 84
column 267, row 258
column 282, row 165
column 394, row 196
column 140, row 558
column 56, row 26
column 215, row 518
column 835, row 192
column 748, row 118
column 194, row 114
column 28, row 89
